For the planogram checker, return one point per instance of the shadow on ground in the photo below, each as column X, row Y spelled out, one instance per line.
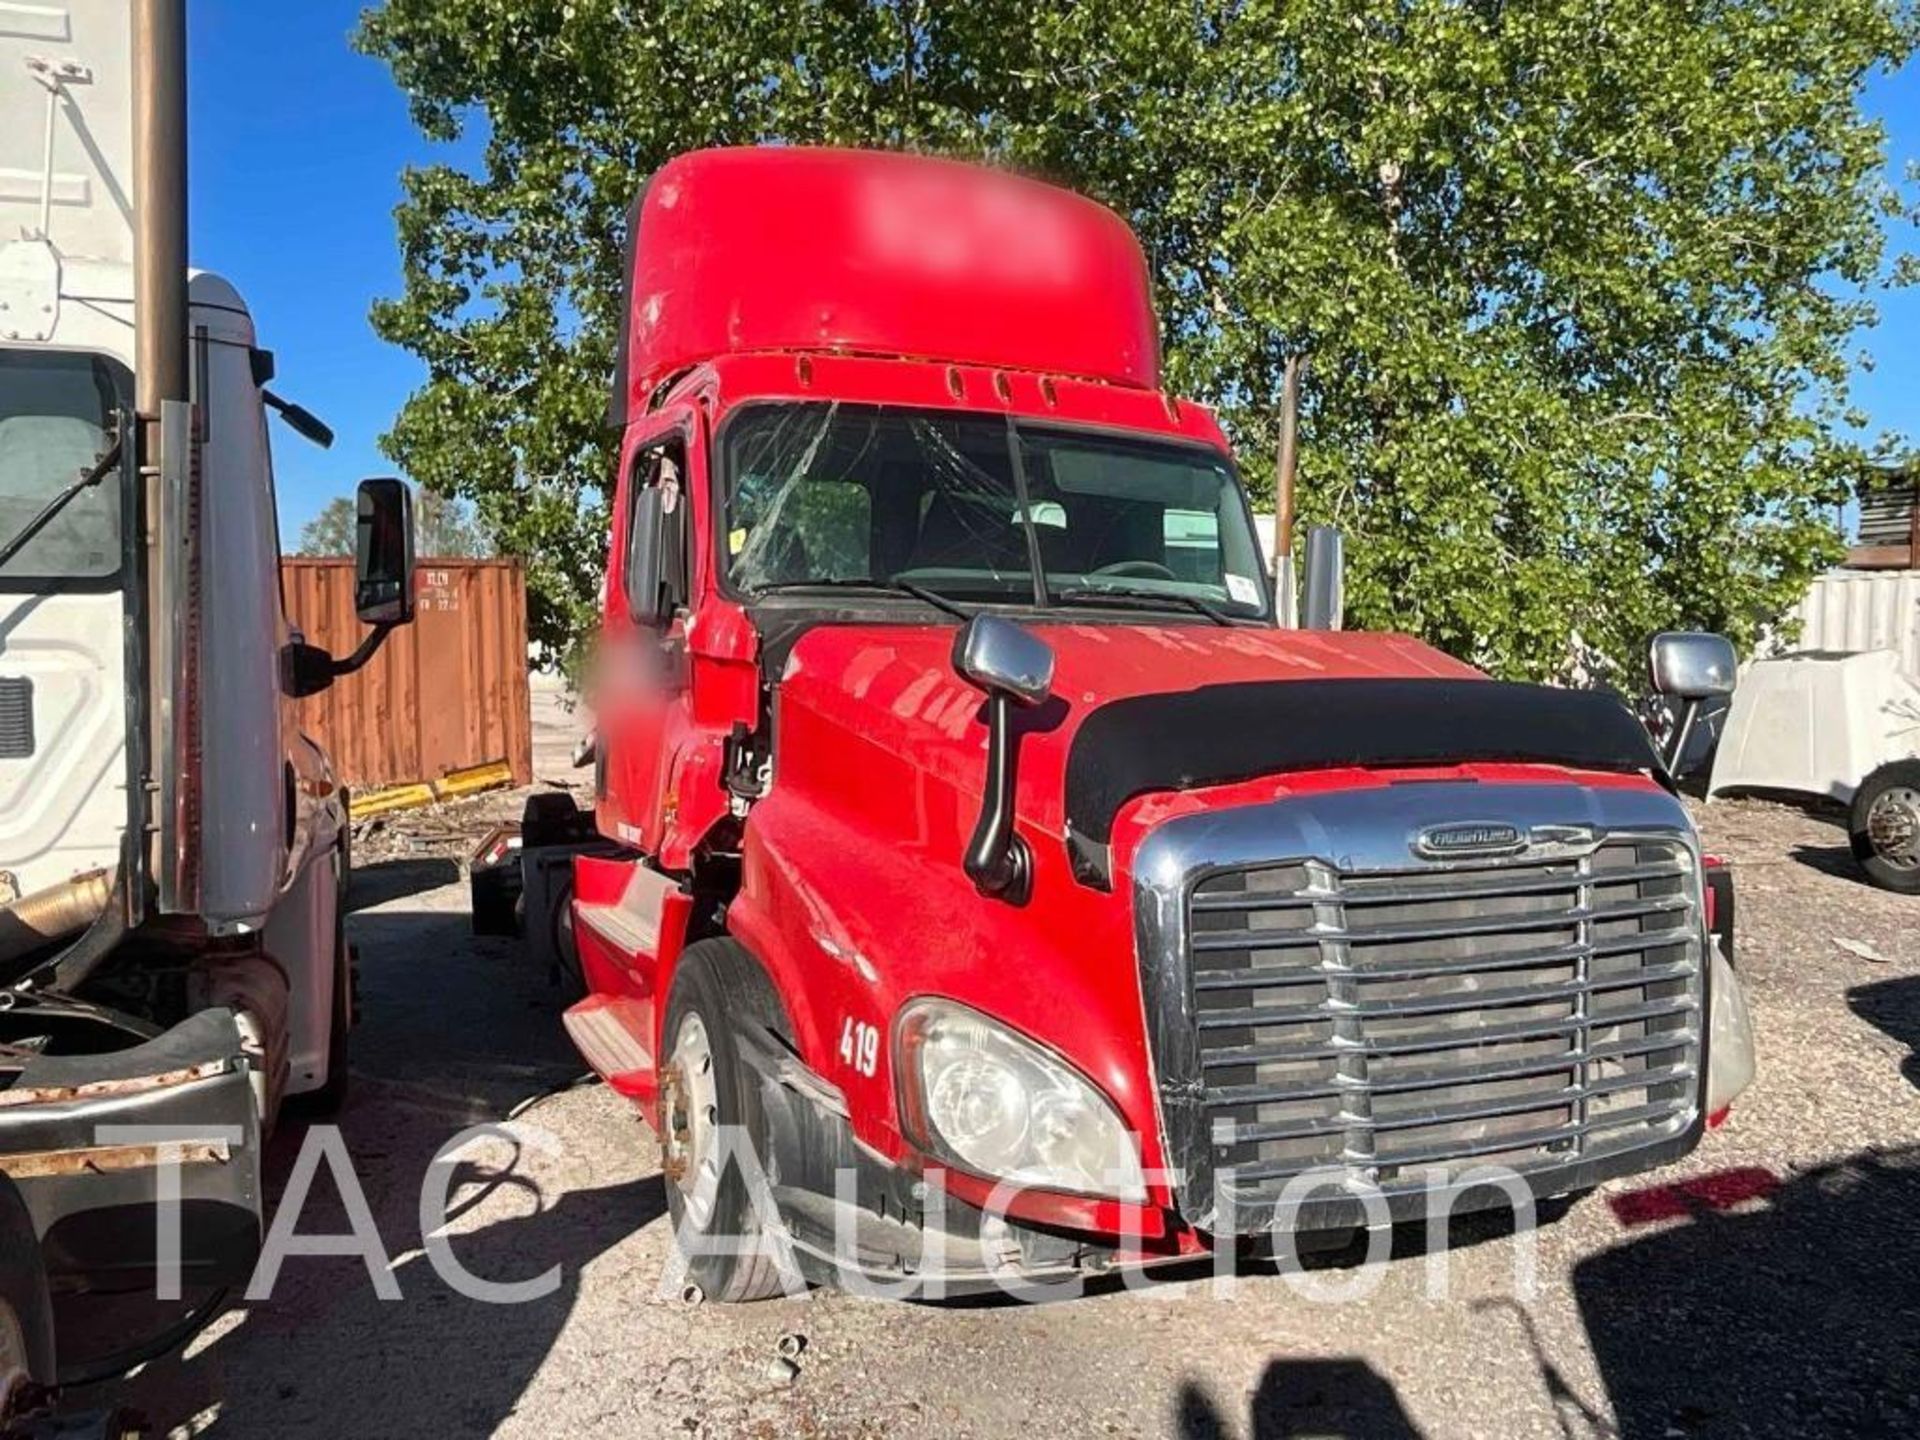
column 1338, row 1397
column 455, row 1032
column 1787, row 1309
column 1742, row 1304
column 1834, row 860
column 379, row 882
column 1893, row 1007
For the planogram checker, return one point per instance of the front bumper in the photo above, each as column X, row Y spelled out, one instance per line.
column 97, row 1144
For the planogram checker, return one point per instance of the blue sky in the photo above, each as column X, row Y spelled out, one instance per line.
column 298, row 144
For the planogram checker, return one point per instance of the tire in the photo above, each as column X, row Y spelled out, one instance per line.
column 719, row 991
column 26, row 1309
column 1884, row 825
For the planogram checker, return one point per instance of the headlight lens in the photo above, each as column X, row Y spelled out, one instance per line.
column 1002, row 1106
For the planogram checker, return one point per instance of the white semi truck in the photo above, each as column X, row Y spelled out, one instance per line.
column 173, row 851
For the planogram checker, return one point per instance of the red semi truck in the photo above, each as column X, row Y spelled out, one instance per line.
column 975, row 847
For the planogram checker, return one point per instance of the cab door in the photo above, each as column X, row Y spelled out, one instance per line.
column 644, row 691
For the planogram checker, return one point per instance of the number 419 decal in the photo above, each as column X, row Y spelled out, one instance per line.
column 860, row 1046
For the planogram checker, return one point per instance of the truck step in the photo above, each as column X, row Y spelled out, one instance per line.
column 631, row 934
column 609, row 1032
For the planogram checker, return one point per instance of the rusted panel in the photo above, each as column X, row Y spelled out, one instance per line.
column 446, row 692
column 106, row 1089
column 102, row 1159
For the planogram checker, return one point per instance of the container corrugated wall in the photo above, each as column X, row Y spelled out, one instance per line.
column 444, row 693
column 1846, row 612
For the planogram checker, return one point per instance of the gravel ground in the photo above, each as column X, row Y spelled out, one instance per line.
column 1766, row 1286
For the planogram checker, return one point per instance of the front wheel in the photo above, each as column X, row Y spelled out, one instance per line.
column 1884, row 825
column 715, row 1137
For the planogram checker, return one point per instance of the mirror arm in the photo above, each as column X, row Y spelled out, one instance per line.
column 997, row 860
column 307, row 669
column 1682, row 733
column 363, row 652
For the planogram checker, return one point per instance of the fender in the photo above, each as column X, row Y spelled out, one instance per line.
column 851, row 924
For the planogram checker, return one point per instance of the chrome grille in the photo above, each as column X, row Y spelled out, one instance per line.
column 1526, row 1012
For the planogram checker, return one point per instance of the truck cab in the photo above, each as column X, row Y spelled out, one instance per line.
column 1001, row 892
column 173, row 850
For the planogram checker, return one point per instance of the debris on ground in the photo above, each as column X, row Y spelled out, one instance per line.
column 469, row 780
column 1860, row 950
column 448, row 828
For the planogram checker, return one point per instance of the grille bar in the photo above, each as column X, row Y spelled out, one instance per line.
column 1559, row 1135
column 1442, row 930
column 1260, row 977
column 1441, row 1040
column 1445, row 1005
column 1434, row 1079
column 1498, row 887
column 1228, row 1131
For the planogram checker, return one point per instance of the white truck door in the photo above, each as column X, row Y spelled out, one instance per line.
column 63, row 692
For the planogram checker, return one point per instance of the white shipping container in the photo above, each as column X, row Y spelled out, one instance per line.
column 1847, row 612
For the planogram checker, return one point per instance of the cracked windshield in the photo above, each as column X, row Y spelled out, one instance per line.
column 839, row 495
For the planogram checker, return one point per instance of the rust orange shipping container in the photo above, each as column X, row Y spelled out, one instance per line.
column 444, row 693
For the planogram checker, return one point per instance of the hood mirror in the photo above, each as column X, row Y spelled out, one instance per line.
column 1325, row 606
column 1003, row 658
column 1690, row 667
column 1693, row 665
column 1011, row 664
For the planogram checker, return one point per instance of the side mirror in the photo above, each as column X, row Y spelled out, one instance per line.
column 1011, row 664
column 383, row 554
column 1325, row 605
column 1693, row 665
column 649, row 600
column 1003, row 658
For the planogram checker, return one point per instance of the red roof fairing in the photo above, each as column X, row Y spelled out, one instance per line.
column 743, row 251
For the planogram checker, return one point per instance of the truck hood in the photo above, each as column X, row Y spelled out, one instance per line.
column 893, row 688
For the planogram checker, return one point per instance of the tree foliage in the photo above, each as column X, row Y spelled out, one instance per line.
column 1577, row 279
column 443, row 528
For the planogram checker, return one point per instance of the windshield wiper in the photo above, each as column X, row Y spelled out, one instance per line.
column 1144, row 598
column 876, row 587
column 53, row 507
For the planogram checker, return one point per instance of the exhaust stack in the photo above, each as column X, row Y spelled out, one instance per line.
column 163, row 400
column 159, row 210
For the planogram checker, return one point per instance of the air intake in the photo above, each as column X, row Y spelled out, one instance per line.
column 16, row 717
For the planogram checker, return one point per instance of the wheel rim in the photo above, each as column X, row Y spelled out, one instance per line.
column 1893, row 825
column 693, row 1122
column 14, row 1377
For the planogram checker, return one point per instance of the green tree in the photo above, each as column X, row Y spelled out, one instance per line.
column 1577, row 278
column 443, row 528
column 331, row 531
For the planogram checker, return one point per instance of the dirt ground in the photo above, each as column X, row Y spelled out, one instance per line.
column 1769, row 1285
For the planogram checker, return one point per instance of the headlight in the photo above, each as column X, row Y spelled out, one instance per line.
column 1001, row 1106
